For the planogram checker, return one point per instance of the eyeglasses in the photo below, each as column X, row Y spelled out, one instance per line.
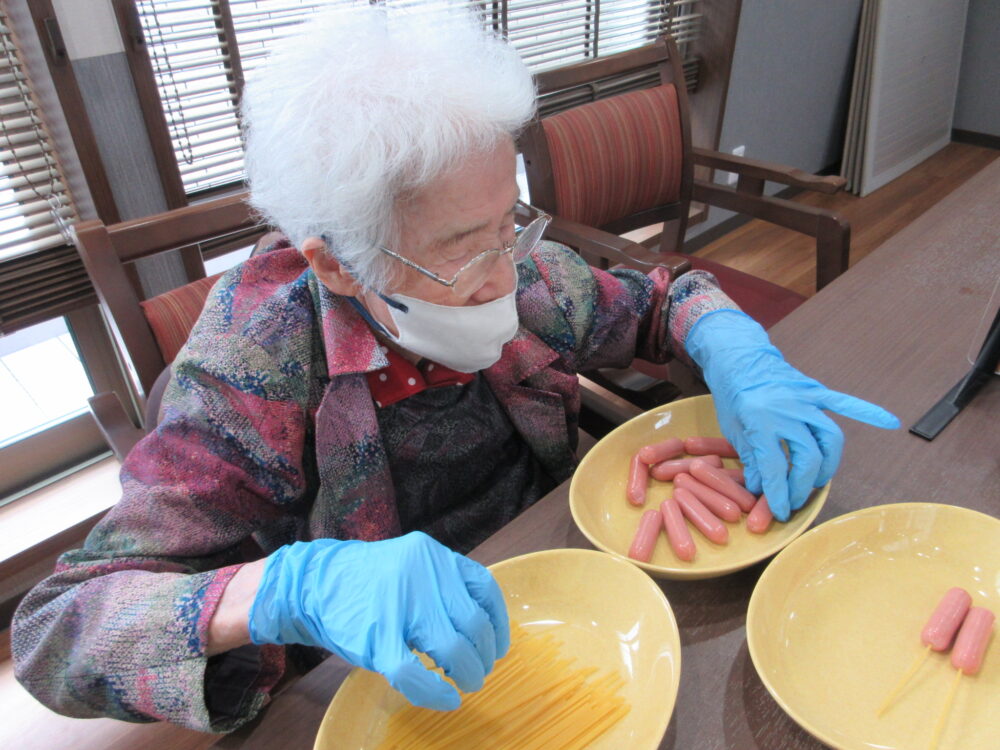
column 471, row 277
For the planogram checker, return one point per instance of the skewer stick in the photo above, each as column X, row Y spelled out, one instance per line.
column 905, row 679
column 943, row 718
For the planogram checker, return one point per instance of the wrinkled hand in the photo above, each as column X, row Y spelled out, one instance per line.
column 762, row 401
column 372, row 602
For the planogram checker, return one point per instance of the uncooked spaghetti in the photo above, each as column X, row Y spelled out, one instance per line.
column 533, row 699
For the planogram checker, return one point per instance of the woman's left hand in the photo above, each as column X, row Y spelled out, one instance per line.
column 762, row 402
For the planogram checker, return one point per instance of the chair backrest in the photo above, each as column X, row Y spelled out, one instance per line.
column 150, row 331
column 612, row 160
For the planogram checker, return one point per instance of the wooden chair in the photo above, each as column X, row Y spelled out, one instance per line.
column 149, row 332
column 603, row 163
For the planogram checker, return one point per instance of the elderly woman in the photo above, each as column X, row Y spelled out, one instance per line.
column 369, row 405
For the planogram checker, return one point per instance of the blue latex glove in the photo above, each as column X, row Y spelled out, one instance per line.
column 762, row 401
column 371, row 602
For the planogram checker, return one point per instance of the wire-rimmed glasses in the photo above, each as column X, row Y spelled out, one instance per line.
column 471, row 277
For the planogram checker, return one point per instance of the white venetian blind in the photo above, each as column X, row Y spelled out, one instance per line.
column 258, row 23
column 550, row 33
column 191, row 63
column 199, row 66
column 41, row 274
column 34, row 203
column 198, row 75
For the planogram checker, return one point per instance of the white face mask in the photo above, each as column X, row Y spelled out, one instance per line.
column 466, row 339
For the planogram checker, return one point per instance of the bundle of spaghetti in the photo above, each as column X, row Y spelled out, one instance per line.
column 532, row 700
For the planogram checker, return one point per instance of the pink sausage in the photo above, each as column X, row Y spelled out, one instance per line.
column 970, row 645
column 638, row 474
column 701, row 517
column 735, row 474
column 661, row 451
column 719, row 481
column 667, row 470
column 702, row 446
column 760, row 517
column 646, row 536
column 716, row 502
column 677, row 531
column 944, row 622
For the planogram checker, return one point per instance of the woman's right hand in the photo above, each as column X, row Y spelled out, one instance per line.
column 372, row 602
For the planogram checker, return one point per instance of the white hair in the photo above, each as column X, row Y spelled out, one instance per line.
column 367, row 103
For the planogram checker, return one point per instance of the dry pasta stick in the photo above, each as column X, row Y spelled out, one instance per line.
column 565, row 722
column 416, row 720
column 431, row 727
column 533, row 700
column 481, row 710
column 531, row 711
column 943, row 717
column 921, row 658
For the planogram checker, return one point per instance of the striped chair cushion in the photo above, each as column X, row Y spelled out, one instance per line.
column 173, row 314
column 616, row 156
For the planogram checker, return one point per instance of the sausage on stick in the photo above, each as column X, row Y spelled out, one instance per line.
column 966, row 657
column 937, row 634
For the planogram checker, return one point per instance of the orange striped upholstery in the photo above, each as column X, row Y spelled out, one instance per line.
column 173, row 314
column 616, row 156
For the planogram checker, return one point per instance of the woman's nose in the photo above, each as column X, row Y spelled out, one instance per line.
column 500, row 282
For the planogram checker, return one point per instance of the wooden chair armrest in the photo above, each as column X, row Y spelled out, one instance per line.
column 114, row 423
column 604, row 403
column 761, row 170
column 589, row 241
column 831, row 230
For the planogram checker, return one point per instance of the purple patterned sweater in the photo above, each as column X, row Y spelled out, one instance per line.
column 269, row 431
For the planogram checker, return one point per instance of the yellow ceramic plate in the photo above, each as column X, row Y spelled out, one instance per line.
column 835, row 621
column 606, row 613
column 597, row 498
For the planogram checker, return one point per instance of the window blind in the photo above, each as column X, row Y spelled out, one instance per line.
column 550, row 33
column 200, row 50
column 41, row 274
column 198, row 66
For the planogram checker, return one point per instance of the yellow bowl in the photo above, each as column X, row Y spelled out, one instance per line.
column 597, row 498
column 568, row 592
column 834, row 623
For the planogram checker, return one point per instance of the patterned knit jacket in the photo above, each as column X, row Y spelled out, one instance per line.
column 268, row 430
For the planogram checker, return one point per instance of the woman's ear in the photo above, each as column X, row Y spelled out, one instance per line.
column 328, row 269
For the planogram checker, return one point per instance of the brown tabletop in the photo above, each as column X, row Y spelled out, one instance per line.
column 896, row 329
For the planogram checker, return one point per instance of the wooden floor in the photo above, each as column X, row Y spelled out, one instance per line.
column 778, row 255
column 788, row 258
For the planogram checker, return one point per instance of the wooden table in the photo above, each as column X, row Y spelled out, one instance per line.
column 896, row 330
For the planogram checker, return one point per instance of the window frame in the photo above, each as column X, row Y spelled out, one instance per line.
column 77, row 439
column 62, row 287
column 713, row 52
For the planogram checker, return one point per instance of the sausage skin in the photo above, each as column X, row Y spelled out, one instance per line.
column 702, row 446
column 667, row 470
column 716, row 502
column 946, row 619
column 635, row 488
column 760, row 517
column 970, row 645
column 661, row 451
column 701, row 517
column 718, row 480
column 677, row 531
column 646, row 535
